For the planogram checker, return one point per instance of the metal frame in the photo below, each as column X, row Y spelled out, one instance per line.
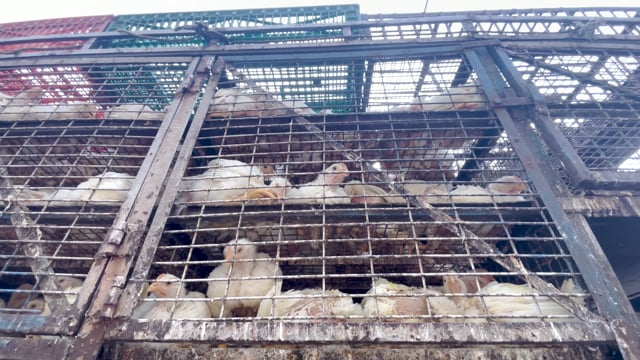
column 583, row 245
column 126, row 253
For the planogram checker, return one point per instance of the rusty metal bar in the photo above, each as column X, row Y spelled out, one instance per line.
column 555, row 140
column 423, row 74
column 194, row 351
column 51, row 347
column 140, row 272
column 274, row 52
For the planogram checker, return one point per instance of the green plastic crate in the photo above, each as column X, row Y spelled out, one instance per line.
column 150, row 84
column 326, row 85
column 233, row 19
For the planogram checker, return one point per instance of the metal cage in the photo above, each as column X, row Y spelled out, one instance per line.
column 425, row 180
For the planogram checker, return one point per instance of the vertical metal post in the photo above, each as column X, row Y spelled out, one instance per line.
column 110, row 269
column 151, row 241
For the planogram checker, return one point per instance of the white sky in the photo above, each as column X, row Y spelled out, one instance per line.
column 46, row 9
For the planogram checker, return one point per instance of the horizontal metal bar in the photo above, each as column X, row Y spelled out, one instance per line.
column 52, row 347
column 330, row 351
column 611, row 179
column 603, row 206
column 423, row 19
column 289, row 52
column 310, row 51
column 363, row 333
column 36, row 324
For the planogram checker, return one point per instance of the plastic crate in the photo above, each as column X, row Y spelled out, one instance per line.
column 62, row 83
column 234, row 19
column 322, row 85
column 74, row 25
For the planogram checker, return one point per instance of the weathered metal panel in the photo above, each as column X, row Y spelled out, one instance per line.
column 129, row 351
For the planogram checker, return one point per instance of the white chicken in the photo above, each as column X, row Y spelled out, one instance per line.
column 311, row 303
column 68, row 282
column 224, row 180
column 233, row 102
column 37, row 306
column 70, row 286
column 25, row 106
column 502, row 190
column 27, row 193
column 525, row 304
column 467, row 305
column 143, row 307
column 272, row 194
column 168, row 286
column 370, row 194
column 388, row 299
column 20, row 297
column 245, row 273
column 107, row 187
column 466, row 97
column 15, row 108
column 236, row 102
column 325, row 188
column 4, row 100
column 432, row 193
column 133, row 111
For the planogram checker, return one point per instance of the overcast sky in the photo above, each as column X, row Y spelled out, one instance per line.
column 45, row 9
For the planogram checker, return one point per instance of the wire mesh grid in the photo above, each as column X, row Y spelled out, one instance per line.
column 75, row 25
column 593, row 102
column 68, row 164
column 273, row 220
column 240, row 20
column 516, row 23
column 356, row 85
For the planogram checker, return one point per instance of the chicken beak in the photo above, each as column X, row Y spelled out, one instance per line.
column 228, row 253
column 158, row 289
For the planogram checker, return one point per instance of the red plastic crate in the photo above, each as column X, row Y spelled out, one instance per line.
column 62, row 84
column 74, row 25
